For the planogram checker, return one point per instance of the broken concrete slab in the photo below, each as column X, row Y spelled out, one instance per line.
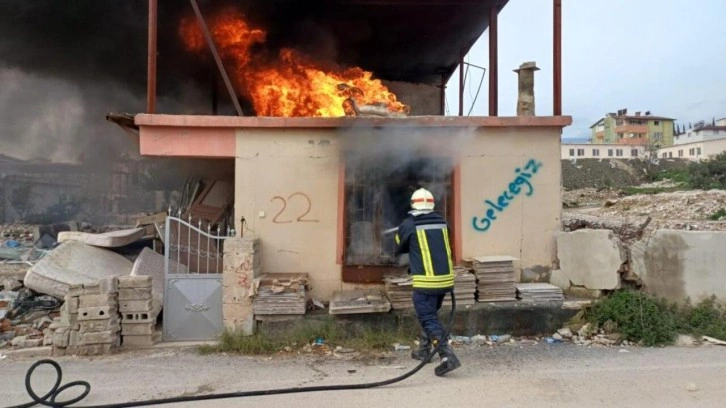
column 150, row 263
column 74, row 263
column 113, row 239
column 681, row 264
column 591, row 258
column 559, row 279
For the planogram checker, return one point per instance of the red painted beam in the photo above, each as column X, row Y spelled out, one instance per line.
column 151, row 65
column 557, row 56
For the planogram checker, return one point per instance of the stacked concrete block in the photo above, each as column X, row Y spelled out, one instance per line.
column 138, row 317
column 89, row 323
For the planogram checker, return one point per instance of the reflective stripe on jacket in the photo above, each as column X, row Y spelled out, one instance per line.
column 425, row 238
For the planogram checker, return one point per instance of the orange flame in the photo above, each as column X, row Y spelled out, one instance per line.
column 292, row 84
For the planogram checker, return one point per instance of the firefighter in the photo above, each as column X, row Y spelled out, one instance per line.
column 424, row 236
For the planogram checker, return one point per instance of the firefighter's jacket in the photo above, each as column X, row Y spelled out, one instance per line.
column 425, row 238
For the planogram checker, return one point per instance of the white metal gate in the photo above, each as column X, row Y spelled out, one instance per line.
column 193, row 264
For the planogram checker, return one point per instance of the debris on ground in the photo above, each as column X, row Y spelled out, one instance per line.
column 25, row 316
column 711, row 340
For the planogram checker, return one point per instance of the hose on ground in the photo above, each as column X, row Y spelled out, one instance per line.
column 50, row 398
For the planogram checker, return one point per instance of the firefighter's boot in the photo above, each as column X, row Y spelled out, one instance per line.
column 424, row 349
column 449, row 361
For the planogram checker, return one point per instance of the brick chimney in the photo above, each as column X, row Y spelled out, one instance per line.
column 525, row 101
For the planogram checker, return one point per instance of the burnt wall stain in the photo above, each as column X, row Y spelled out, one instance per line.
column 664, row 265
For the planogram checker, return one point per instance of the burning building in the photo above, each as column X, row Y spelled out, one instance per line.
column 333, row 112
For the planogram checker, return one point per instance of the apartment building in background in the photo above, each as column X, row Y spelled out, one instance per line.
column 702, row 132
column 643, row 129
column 602, row 151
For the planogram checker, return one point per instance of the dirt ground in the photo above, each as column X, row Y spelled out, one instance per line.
column 542, row 375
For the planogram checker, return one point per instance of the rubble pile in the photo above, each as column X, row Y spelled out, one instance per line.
column 606, row 173
column 280, row 294
column 138, row 318
column 590, row 335
column 678, row 205
column 25, row 316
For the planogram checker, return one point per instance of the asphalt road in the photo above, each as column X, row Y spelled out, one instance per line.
column 504, row 376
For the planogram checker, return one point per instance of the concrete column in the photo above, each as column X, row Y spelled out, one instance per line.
column 242, row 264
column 525, row 101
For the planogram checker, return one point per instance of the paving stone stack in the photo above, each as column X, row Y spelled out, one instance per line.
column 138, row 318
column 464, row 288
column 495, row 278
column 399, row 290
column 539, row 292
column 89, row 322
column 281, row 294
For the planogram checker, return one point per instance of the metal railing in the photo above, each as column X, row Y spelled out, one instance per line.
column 189, row 249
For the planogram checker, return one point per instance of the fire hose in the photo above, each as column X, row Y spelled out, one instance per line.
column 50, row 398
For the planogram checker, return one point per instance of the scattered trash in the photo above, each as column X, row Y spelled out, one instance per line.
column 500, row 339
column 479, row 339
column 691, row 387
column 352, row 371
column 12, row 243
column 461, row 339
column 401, row 347
column 552, row 340
column 343, row 350
column 319, row 341
column 623, row 351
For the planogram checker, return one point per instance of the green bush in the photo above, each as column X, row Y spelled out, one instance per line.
column 639, row 317
column 707, row 318
column 710, row 174
column 679, row 175
column 718, row 214
column 653, row 322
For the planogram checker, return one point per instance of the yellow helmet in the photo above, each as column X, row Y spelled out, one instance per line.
column 422, row 199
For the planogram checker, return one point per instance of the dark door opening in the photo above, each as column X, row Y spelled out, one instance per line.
column 377, row 198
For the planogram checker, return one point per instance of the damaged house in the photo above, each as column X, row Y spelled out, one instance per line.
column 326, row 157
column 331, row 113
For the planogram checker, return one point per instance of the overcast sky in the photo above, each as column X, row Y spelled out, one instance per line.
column 666, row 56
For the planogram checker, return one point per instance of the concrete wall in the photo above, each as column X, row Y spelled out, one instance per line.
column 600, row 151
column 288, row 191
column 680, row 264
column 423, row 99
column 281, row 176
column 493, row 166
